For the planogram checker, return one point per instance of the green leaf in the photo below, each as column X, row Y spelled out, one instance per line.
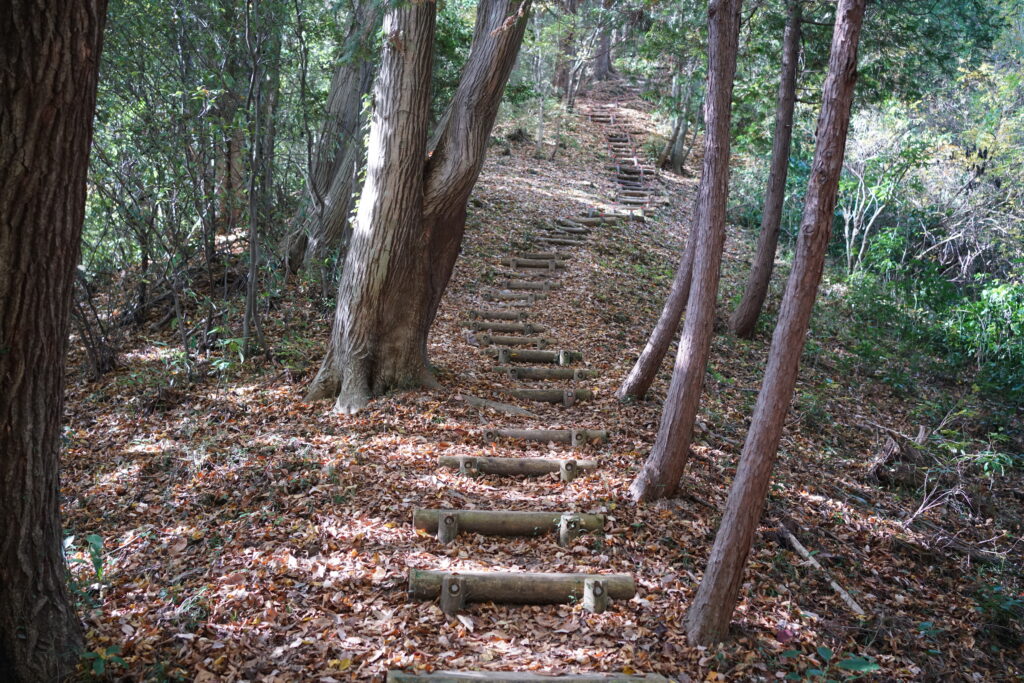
column 791, row 653
column 98, row 666
column 825, row 654
column 859, row 664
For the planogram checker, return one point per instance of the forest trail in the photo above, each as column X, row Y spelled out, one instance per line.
column 250, row 536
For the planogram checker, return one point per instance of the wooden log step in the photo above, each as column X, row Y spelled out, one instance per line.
column 471, row 465
column 636, row 193
column 545, row 255
column 594, row 220
column 491, row 326
column 562, row 357
column 573, row 437
column 567, row 397
column 503, row 522
column 631, row 201
column 488, row 314
column 545, row 373
column 561, row 241
column 518, row 588
column 527, row 284
column 549, row 264
column 513, row 340
column 494, row 405
column 569, row 225
column 505, row 295
column 516, row 677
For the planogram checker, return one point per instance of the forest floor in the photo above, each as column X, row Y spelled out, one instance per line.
column 238, row 533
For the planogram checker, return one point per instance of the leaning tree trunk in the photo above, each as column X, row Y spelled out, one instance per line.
column 640, row 378
column 664, row 467
column 321, row 222
column 394, row 276
column 744, row 318
column 50, row 51
column 708, row 617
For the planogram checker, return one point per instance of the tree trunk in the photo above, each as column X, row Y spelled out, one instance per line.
column 50, row 52
column 603, row 68
column 744, row 318
column 708, row 617
column 409, row 226
column 640, row 378
column 664, row 467
column 321, row 223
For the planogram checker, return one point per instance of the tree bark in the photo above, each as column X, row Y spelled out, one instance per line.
column 744, row 318
column 664, row 467
column 412, row 217
column 709, row 614
column 322, row 220
column 50, row 51
column 603, row 68
column 640, row 378
column 373, row 345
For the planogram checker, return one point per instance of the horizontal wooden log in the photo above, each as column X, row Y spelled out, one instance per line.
column 519, row 588
column 595, row 220
column 528, row 285
column 564, row 396
column 506, row 295
column 573, row 437
column 494, row 405
column 513, row 340
column 545, row 373
column 507, row 467
column 485, row 314
column 545, row 255
column 548, row 264
column 516, row 677
column 492, row 326
column 562, row 357
column 561, row 241
column 503, row 522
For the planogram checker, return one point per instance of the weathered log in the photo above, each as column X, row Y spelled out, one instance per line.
column 518, row 588
column 562, row 357
column 515, row 677
column 505, row 522
column 495, row 405
column 530, row 467
column 595, row 220
column 528, row 285
column 545, row 255
column 595, row 595
column 528, row 328
column 485, row 314
column 505, row 295
column 566, row 397
column 545, row 373
column 453, row 592
column 549, row 264
column 561, row 241
column 512, row 340
column 574, row 437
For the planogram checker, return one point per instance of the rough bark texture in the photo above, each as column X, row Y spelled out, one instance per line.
column 321, row 223
column 412, row 213
column 50, row 54
column 744, row 318
column 373, row 341
column 664, row 467
column 708, row 617
column 640, row 378
column 527, row 588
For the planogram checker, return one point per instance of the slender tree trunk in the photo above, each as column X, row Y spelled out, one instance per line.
column 322, row 220
column 664, row 467
column 395, row 276
column 744, row 318
column 708, row 616
column 603, row 68
column 640, row 378
column 50, row 51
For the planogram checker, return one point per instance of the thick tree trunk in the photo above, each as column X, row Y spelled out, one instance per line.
column 412, row 216
column 664, row 467
column 744, row 318
column 50, row 51
column 708, row 617
column 377, row 322
column 640, row 378
column 322, row 221
column 603, row 68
